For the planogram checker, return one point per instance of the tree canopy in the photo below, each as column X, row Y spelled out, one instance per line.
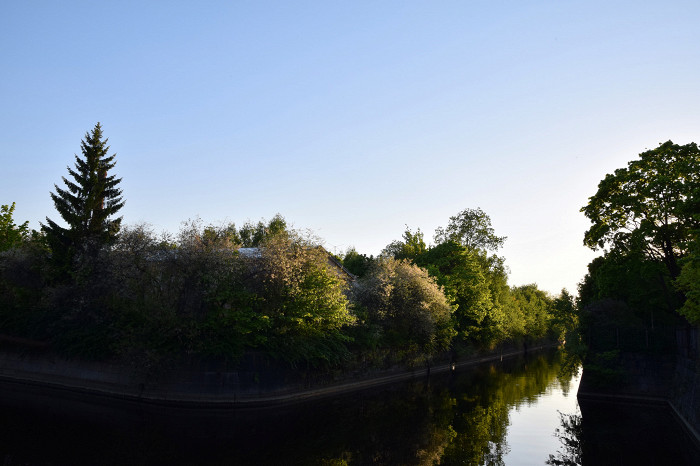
column 471, row 228
column 412, row 246
column 649, row 205
column 409, row 305
column 11, row 235
column 253, row 235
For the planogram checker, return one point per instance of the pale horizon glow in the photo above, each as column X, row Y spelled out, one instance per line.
column 353, row 120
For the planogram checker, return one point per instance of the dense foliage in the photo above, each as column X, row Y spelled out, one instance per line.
column 646, row 216
column 688, row 282
column 406, row 304
column 93, row 289
column 487, row 312
column 11, row 235
column 651, row 206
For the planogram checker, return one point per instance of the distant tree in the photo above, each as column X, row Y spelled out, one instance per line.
column 226, row 237
column 649, row 205
column 412, row 246
column 88, row 203
column 564, row 314
column 474, row 280
column 470, row 228
column 356, row 263
column 536, row 305
column 11, row 235
column 253, row 235
column 460, row 272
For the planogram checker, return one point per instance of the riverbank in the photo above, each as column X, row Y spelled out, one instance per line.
column 210, row 385
column 668, row 381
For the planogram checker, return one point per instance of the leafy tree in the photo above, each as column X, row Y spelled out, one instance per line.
column 409, row 305
column 459, row 271
column 649, row 205
column 226, row 237
column 303, row 300
column 689, row 283
column 253, row 235
column 631, row 278
column 474, row 281
column 11, row 235
column 564, row 314
column 536, row 305
column 412, row 246
column 470, row 228
column 87, row 204
column 356, row 263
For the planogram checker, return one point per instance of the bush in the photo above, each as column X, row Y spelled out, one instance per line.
column 407, row 304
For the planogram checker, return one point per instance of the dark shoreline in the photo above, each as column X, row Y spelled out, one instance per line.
column 196, row 390
column 656, row 383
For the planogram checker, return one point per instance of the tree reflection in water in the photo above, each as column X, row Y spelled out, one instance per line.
column 571, row 437
column 622, row 433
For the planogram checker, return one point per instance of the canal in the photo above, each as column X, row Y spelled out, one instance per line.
column 521, row 411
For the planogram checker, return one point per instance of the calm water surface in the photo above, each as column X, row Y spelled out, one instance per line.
column 502, row 413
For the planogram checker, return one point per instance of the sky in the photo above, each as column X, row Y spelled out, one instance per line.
column 351, row 119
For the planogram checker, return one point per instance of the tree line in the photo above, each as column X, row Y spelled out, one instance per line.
column 97, row 289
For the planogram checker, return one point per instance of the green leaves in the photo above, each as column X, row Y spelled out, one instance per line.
column 649, row 205
column 470, row 228
column 407, row 304
column 689, row 283
column 11, row 235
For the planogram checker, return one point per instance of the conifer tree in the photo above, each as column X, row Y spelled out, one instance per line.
column 88, row 203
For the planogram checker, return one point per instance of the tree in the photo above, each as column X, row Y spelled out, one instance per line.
column 252, row 236
column 87, row 204
column 649, row 205
column 358, row 264
column 11, row 235
column 630, row 278
column 411, row 247
column 689, row 283
column 409, row 306
column 460, row 272
column 536, row 305
column 470, row 228
column 564, row 314
column 473, row 279
column 301, row 298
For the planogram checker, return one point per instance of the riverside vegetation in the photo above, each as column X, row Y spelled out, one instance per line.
column 94, row 289
column 641, row 298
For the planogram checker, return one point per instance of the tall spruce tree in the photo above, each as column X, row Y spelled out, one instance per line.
column 87, row 205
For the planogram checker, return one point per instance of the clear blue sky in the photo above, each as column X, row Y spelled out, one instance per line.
column 352, row 119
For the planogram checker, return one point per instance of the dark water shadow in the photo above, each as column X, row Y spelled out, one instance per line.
column 622, row 433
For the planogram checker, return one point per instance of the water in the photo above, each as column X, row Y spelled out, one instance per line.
column 502, row 413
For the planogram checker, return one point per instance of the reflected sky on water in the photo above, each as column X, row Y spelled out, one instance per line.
column 533, row 422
